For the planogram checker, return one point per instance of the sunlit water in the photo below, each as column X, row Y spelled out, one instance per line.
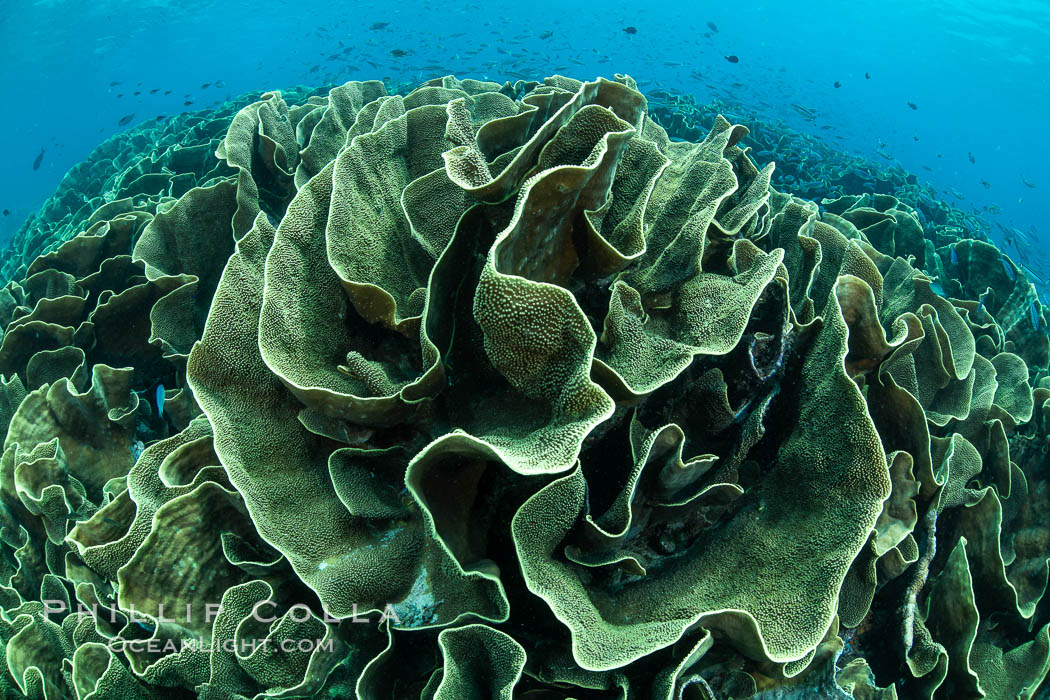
column 976, row 71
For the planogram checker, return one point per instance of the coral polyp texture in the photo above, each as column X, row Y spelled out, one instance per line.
column 494, row 391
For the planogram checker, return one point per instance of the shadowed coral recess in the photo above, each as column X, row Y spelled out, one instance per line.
column 494, row 391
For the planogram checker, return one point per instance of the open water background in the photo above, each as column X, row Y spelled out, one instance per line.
column 977, row 71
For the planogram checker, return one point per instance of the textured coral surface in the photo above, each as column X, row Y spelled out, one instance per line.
column 498, row 391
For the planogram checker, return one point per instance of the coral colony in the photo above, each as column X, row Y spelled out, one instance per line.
column 559, row 405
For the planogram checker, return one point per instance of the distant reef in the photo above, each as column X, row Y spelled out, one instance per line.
column 500, row 391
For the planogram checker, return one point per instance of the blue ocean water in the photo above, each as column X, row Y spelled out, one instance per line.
column 974, row 72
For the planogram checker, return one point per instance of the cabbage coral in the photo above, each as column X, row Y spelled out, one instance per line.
column 484, row 391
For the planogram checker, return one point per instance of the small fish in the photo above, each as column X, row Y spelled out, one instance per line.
column 159, row 398
column 39, row 159
column 205, row 86
column 712, row 27
column 376, row 26
column 154, row 91
column 111, row 521
column 838, row 84
column 7, row 212
column 980, row 301
column 913, row 105
column 187, row 103
column 1031, row 273
column 1027, row 183
column 1034, row 314
column 631, row 30
column 219, row 84
column 732, row 59
column 937, row 288
column 114, row 83
column 916, row 137
column 1009, row 269
column 972, row 159
column 126, row 119
column 399, row 53
column 167, row 92
column 867, row 76
column 137, row 93
column 314, row 69
column 955, row 256
column 546, row 35
column 987, row 185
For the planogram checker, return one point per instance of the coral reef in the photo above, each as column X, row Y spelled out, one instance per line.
column 493, row 391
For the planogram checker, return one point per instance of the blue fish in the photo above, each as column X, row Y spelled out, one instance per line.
column 980, row 304
column 955, row 256
column 937, row 288
column 160, row 400
column 1034, row 314
column 1009, row 269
